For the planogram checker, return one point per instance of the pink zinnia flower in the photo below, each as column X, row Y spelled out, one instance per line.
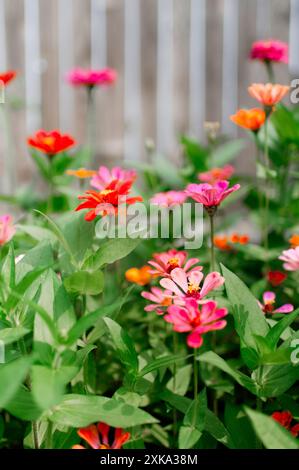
column 188, row 285
column 7, row 230
column 161, row 300
column 217, row 174
column 268, row 304
column 196, row 319
column 270, row 51
column 97, row 436
column 104, row 177
column 164, row 263
column 291, row 258
column 169, row 198
column 208, row 195
column 91, row 78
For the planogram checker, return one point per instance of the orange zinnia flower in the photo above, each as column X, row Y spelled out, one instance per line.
column 108, row 200
column 98, row 437
column 7, row 77
column 140, row 276
column 222, row 243
column 268, row 94
column 81, row 173
column 51, row 143
column 251, row 119
column 294, row 241
column 225, row 243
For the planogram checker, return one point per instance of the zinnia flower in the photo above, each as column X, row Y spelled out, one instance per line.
column 188, row 285
column 103, row 177
column 268, row 304
column 196, row 319
column 164, row 263
column 270, row 51
column 225, row 243
column 268, row 94
column 291, row 258
column 210, row 196
column 161, row 299
column 217, row 174
column 51, row 143
column 91, row 78
column 275, row 278
column 7, row 230
column 294, row 241
column 97, row 436
column 140, row 276
column 285, row 418
column 81, row 173
column 251, row 119
column 7, row 77
column 107, row 201
column 169, row 198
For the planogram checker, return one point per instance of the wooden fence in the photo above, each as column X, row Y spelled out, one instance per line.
column 180, row 62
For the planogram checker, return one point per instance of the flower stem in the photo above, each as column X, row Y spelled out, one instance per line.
column 91, row 125
column 270, row 72
column 266, row 208
column 195, row 375
column 212, row 248
column 49, row 435
column 35, row 434
column 175, row 350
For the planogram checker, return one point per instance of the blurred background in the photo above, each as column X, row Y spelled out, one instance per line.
column 179, row 63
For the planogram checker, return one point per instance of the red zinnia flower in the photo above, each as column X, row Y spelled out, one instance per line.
column 97, row 436
column 285, row 418
column 7, row 77
column 107, row 201
column 276, row 277
column 51, row 143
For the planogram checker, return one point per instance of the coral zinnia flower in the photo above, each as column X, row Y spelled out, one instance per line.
column 251, row 119
column 285, row 418
column 208, row 195
column 294, row 241
column 268, row 304
column 276, row 277
column 164, row 263
column 107, row 201
column 169, row 198
column 291, row 258
column 268, row 94
column 7, row 230
column 51, row 143
column 225, row 243
column 91, row 78
column 7, row 77
column 217, row 174
column 140, row 276
column 196, row 319
column 188, row 285
column 161, row 300
column 270, row 51
column 97, row 436
column 104, row 176
column 81, row 173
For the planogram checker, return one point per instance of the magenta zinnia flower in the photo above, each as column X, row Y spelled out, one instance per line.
column 185, row 285
column 169, row 198
column 104, row 177
column 196, row 319
column 268, row 304
column 291, row 258
column 7, row 230
column 161, row 300
column 217, row 174
column 164, row 263
column 270, row 51
column 210, row 195
column 91, row 78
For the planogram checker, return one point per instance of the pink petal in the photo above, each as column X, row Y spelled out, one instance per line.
column 269, row 297
column 194, row 340
column 286, row 308
column 211, row 282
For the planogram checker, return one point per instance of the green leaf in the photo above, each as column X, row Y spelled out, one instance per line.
column 227, row 152
column 37, row 233
column 84, row 282
column 196, row 413
column 80, row 411
column 277, row 330
column 23, row 406
column 10, row 335
column 124, row 345
column 274, row 380
column 8, row 269
column 111, row 251
column 239, row 427
column 180, row 384
column 188, row 437
column 12, row 375
column 216, row 428
column 271, row 433
column 249, row 318
column 196, row 154
column 48, row 385
column 163, row 361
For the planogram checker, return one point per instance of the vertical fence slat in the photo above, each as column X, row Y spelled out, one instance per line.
column 3, row 59
column 294, row 38
column 66, row 62
column 98, row 33
column 165, row 137
column 230, row 64
column 33, row 65
column 197, row 67
column 132, row 89
column 263, row 19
